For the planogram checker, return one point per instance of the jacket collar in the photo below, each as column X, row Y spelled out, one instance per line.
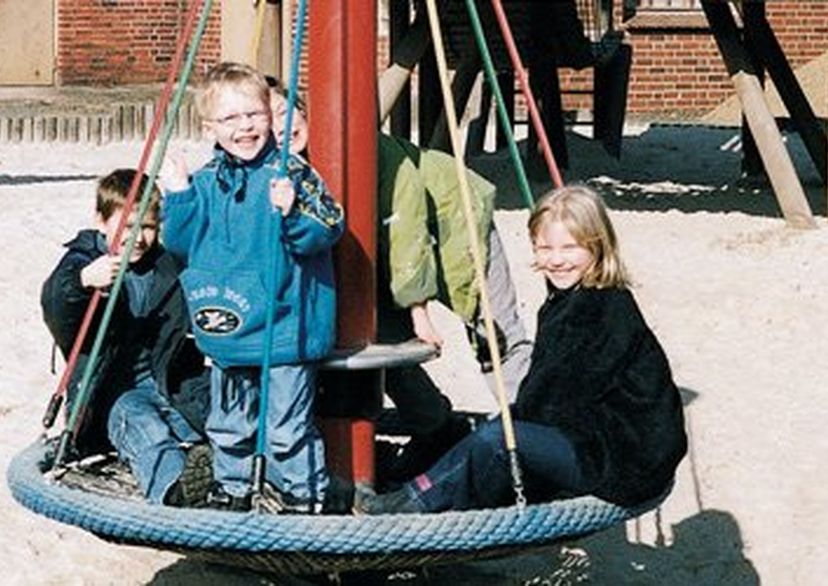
column 231, row 172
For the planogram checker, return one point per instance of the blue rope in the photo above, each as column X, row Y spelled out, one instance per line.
column 434, row 535
column 275, row 230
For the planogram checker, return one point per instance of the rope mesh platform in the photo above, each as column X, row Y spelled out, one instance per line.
column 309, row 544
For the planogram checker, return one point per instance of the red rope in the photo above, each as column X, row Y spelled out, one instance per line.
column 523, row 80
column 158, row 119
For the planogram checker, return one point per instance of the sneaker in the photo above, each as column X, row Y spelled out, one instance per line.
column 423, row 451
column 192, row 487
column 367, row 502
column 276, row 502
column 339, row 497
column 221, row 500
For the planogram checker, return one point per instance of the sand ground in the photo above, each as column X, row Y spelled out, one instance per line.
column 737, row 298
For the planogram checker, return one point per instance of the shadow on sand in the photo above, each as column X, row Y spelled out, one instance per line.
column 684, row 168
column 706, row 549
column 33, row 179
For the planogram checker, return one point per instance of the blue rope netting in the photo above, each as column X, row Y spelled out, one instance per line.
column 250, row 533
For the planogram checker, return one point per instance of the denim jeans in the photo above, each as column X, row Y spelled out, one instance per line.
column 148, row 434
column 294, row 453
column 476, row 472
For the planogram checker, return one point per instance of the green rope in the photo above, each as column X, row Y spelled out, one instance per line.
column 503, row 116
column 169, row 125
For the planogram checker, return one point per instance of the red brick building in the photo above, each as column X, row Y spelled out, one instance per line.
column 111, row 42
column 676, row 65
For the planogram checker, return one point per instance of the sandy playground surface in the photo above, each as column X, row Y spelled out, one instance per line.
column 739, row 301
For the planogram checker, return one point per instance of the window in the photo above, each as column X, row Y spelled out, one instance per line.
column 664, row 14
column 669, row 4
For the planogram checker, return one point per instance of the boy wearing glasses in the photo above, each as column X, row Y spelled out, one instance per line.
column 219, row 220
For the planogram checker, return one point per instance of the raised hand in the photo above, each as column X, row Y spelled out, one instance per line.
column 101, row 272
column 174, row 175
column 282, row 194
column 423, row 328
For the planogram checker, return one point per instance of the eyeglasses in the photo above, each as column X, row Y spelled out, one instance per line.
column 235, row 120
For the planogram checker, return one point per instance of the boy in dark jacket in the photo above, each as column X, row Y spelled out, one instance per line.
column 147, row 366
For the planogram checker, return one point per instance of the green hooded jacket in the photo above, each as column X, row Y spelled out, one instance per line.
column 423, row 238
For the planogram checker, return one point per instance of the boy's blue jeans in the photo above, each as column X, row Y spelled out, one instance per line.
column 476, row 473
column 148, row 433
column 294, row 453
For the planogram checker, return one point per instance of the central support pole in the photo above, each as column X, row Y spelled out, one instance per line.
column 343, row 147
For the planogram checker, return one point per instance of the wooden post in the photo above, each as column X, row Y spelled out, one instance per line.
column 763, row 42
column 506, row 81
column 751, row 159
column 781, row 172
column 394, row 82
column 399, row 25
column 461, row 87
column 429, row 100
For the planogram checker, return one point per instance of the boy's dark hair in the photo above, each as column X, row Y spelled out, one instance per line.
column 276, row 85
column 113, row 189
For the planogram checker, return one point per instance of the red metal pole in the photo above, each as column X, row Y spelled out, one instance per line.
column 132, row 194
column 523, row 80
column 343, row 146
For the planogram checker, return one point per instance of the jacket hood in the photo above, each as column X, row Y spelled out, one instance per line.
column 88, row 240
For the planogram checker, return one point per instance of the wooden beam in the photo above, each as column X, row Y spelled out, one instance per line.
column 781, row 172
column 461, row 87
column 752, row 165
column 764, row 43
column 399, row 25
column 430, row 101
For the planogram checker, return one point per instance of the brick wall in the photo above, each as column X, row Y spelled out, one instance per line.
column 677, row 68
column 109, row 42
column 676, row 71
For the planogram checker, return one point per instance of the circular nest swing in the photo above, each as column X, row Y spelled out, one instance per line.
column 300, row 544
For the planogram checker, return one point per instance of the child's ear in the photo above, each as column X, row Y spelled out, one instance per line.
column 208, row 130
column 100, row 223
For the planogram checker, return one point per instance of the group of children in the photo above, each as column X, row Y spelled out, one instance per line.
column 596, row 409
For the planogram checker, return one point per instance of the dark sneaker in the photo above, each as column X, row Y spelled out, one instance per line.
column 221, row 500
column 274, row 501
column 339, row 498
column 366, row 502
column 422, row 451
column 192, row 487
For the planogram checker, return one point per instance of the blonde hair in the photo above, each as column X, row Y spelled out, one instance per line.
column 230, row 75
column 113, row 189
column 584, row 214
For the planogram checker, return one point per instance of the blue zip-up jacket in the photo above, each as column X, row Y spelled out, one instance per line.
column 221, row 225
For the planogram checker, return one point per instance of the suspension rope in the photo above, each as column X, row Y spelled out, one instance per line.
column 523, row 80
column 477, row 256
column 503, row 115
column 169, row 116
column 270, row 276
